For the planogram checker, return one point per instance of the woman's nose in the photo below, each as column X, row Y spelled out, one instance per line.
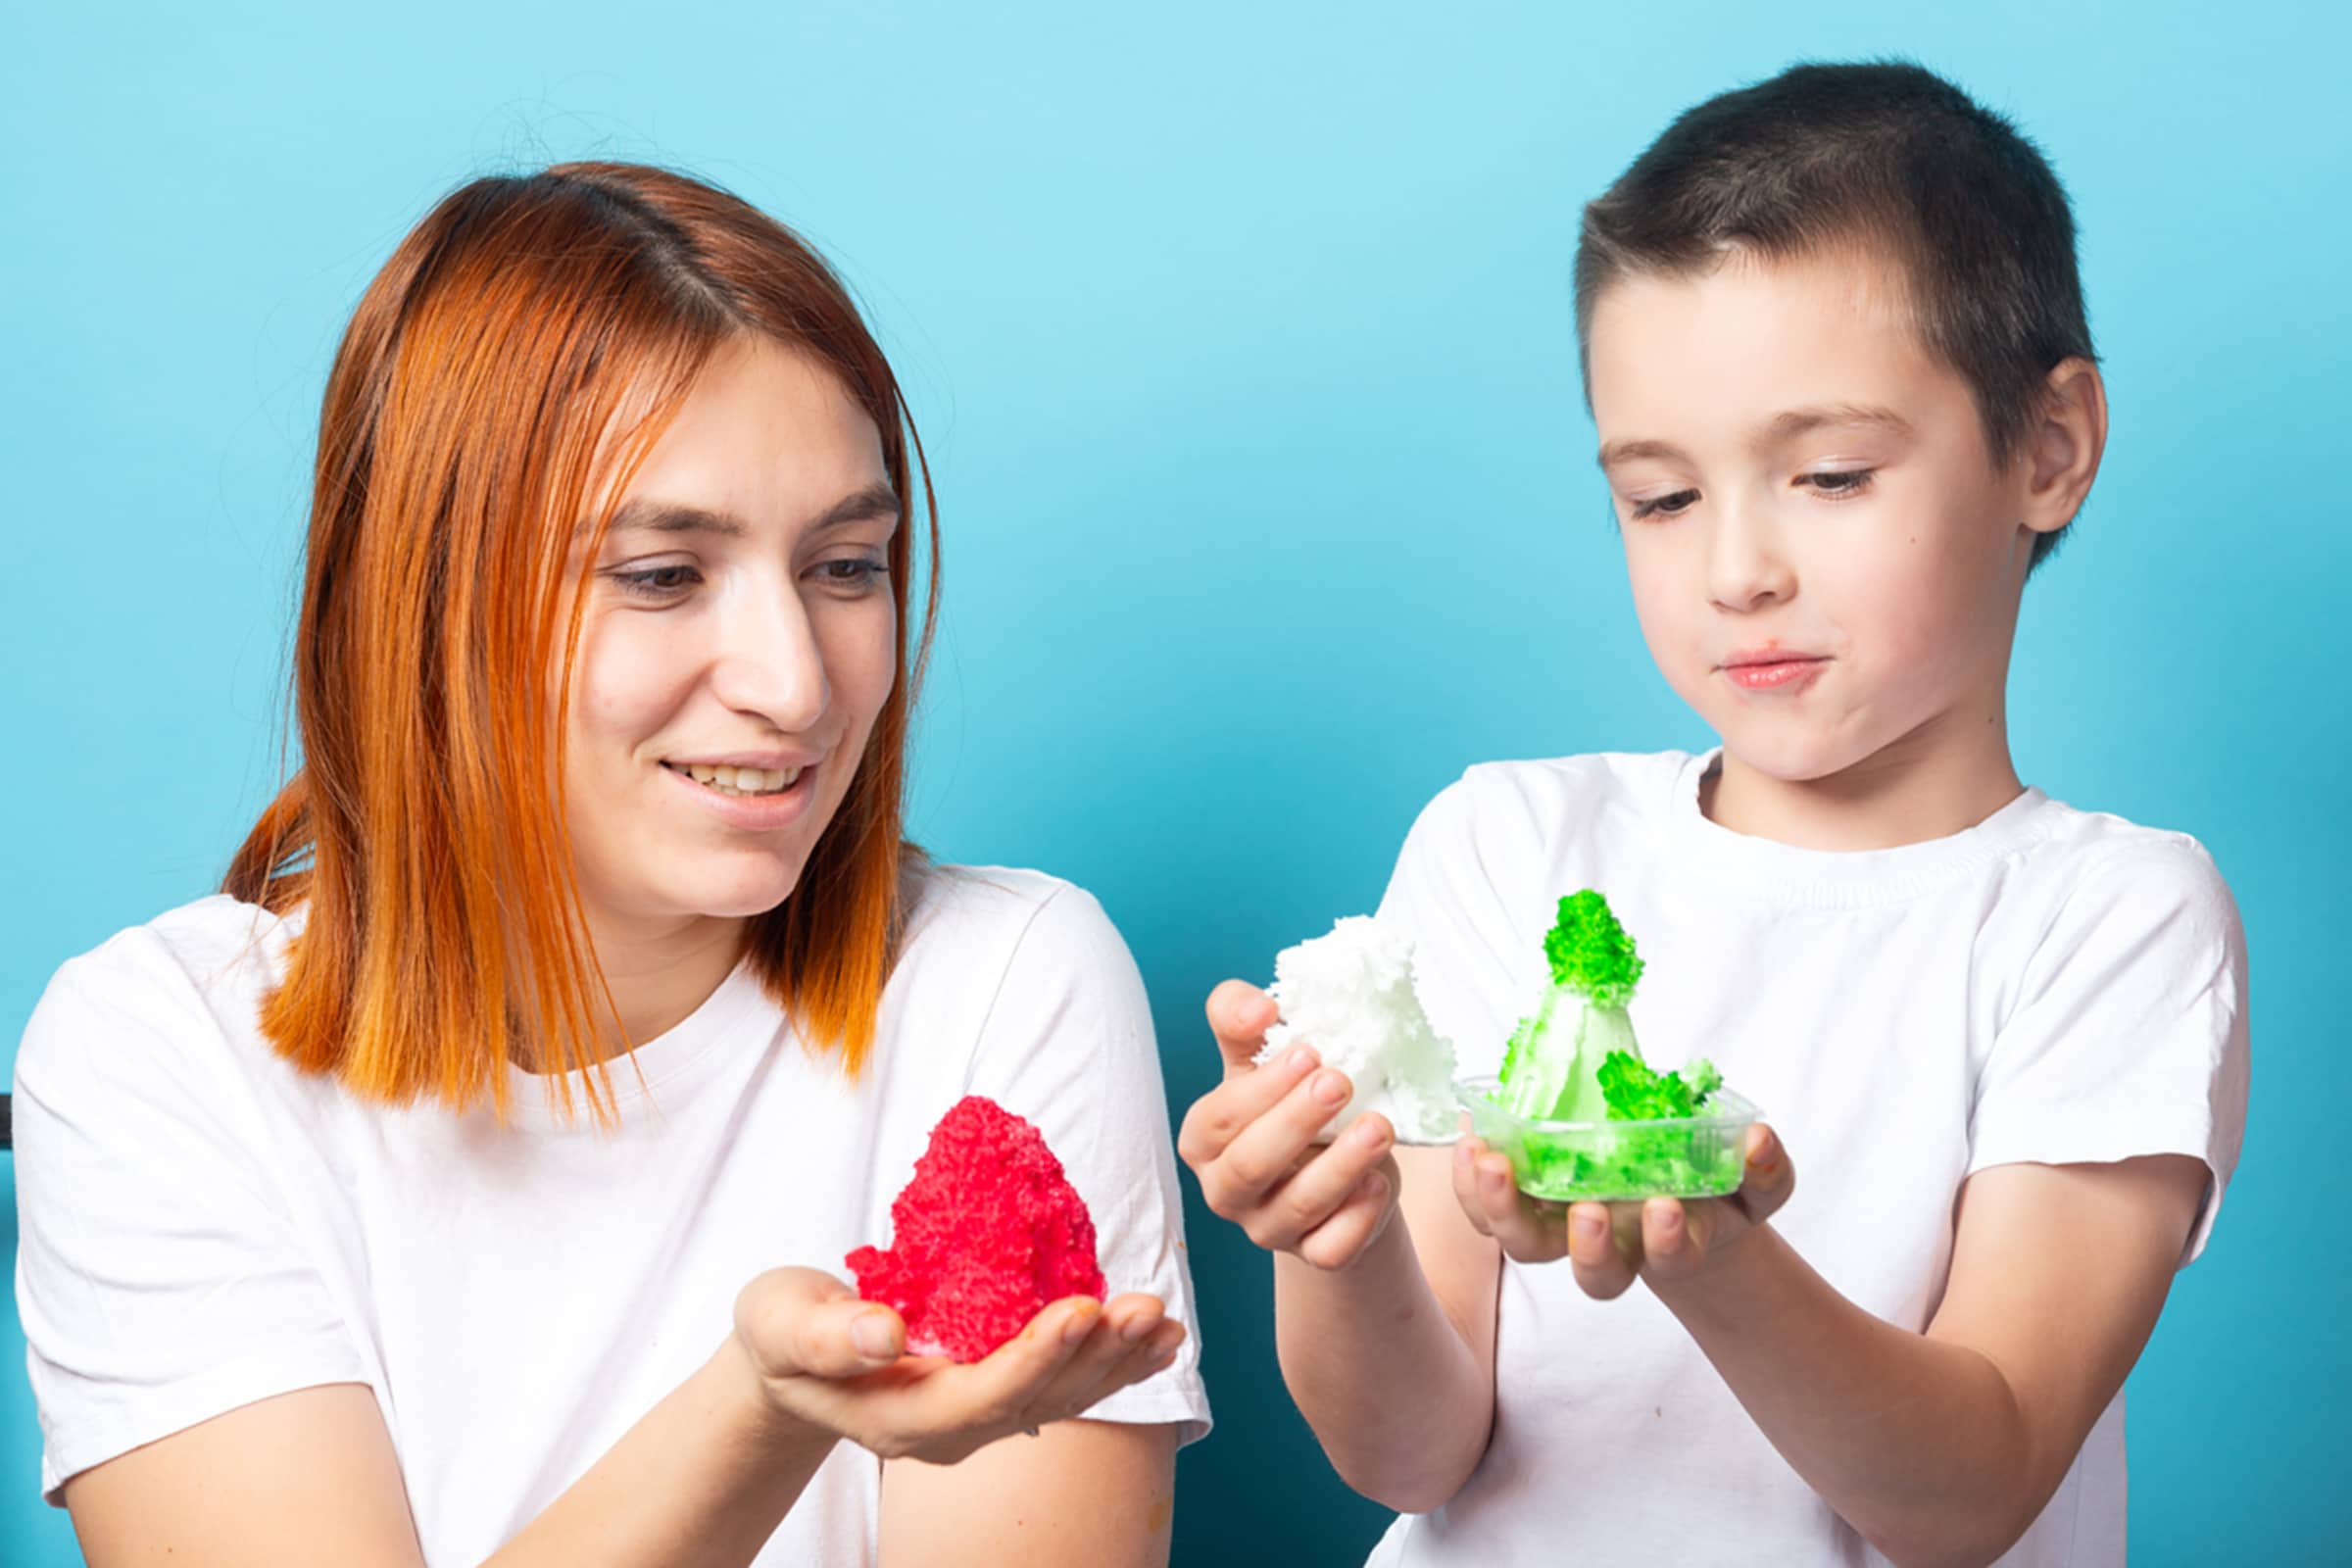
column 770, row 664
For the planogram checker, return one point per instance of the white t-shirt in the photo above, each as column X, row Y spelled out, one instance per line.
column 2050, row 986
column 202, row 1226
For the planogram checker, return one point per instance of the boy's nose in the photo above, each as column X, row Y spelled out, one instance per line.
column 769, row 663
column 1745, row 568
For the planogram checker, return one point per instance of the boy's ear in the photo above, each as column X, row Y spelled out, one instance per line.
column 2064, row 444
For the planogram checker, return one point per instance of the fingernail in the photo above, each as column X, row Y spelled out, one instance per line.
column 1141, row 1323
column 1330, row 1089
column 1462, row 1156
column 1375, row 1186
column 1080, row 1325
column 1368, row 1134
column 870, row 1333
column 1161, row 1360
column 1300, row 1059
column 1587, row 1227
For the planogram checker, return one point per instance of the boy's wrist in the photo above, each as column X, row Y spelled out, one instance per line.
column 1724, row 1293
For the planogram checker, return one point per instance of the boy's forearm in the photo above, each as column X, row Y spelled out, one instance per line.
column 1398, row 1401
column 1919, row 1444
column 701, row 1481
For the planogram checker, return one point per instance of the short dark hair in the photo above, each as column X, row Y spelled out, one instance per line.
column 1893, row 156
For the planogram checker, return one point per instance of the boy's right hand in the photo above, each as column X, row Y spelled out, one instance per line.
column 1251, row 1142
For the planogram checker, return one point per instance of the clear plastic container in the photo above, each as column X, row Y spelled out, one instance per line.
column 1581, row 1162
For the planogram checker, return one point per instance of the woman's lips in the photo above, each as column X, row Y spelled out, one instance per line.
column 756, row 814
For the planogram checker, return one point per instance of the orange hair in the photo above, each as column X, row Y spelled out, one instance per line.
column 462, row 434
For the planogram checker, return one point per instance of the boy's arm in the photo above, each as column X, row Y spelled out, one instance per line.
column 1392, row 1358
column 1943, row 1447
column 1385, row 1330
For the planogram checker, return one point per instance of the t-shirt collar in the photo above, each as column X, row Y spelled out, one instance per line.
column 1787, row 874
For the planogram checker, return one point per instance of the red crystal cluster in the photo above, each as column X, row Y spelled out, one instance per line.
column 988, row 1232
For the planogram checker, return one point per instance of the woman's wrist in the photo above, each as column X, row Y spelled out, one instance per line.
column 749, row 1404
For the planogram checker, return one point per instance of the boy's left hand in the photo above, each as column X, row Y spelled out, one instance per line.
column 1663, row 1239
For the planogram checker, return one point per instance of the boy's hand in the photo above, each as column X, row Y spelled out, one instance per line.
column 1251, row 1142
column 1663, row 1239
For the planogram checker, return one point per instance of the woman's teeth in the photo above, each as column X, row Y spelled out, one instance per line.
column 740, row 780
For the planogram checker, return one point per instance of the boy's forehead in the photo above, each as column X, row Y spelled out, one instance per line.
column 1753, row 337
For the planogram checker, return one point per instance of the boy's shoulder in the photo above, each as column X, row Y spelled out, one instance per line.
column 1552, row 789
column 2090, row 860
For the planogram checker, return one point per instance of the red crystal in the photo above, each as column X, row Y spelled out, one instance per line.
column 987, row 1234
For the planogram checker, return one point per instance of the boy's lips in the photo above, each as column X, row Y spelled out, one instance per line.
column 1765, row 670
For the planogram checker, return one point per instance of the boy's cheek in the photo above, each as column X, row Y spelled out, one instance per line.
column 1670, row 604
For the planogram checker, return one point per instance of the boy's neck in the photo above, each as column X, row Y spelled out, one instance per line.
column 1943, row 778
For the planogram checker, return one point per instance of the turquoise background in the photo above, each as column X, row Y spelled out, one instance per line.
column 1240, row 338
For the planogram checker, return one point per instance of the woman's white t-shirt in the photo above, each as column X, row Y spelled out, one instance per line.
column 2051, row 986
column 203, row 1226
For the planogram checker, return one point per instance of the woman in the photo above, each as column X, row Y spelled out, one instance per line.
column 421, row 1197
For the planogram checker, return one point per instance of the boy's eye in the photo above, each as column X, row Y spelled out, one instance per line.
column 655, row 582
column 1850, row 482
column 1666, row 505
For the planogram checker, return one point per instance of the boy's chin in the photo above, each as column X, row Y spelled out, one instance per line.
column 1787, row 757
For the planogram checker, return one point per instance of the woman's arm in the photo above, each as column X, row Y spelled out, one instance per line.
column 1079, row 1495
column 306, row 1477
column 310, row 1477
column 701, row 1481
column 1362, row 1307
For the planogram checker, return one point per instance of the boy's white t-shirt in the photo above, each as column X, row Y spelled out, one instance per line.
column 2051, row 986
column 203, row 1226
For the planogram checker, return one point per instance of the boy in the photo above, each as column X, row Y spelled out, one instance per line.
column 1835, row 347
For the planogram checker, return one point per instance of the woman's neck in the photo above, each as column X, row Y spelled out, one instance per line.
column 661, row 973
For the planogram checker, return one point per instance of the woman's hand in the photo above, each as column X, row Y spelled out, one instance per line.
column 1665, row 1240
column 1251, row 1142
column 829, row 1361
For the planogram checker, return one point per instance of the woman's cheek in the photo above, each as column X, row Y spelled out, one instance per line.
column 861, row 656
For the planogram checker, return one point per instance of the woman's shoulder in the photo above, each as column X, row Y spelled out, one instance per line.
column 158, row 1008
column 202, row 948
column 973, row 911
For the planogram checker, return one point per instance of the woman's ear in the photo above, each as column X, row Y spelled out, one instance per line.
column 2064, row 444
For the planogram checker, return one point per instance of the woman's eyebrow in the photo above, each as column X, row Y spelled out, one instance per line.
column 649, row 514
column 862, row 506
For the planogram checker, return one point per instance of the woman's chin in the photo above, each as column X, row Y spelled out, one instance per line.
column 734, row 893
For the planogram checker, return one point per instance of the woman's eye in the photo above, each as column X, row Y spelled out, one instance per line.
column 855, row 573
column 1847, row 482
column 1666, row 505
column 655, row 582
